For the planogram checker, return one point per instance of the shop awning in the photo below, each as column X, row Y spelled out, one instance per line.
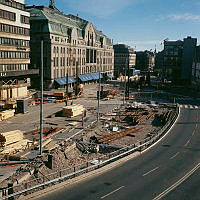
column 62, row 81
column 96, row 75
column 89, row 77
column 110, row 75
column 83, row 77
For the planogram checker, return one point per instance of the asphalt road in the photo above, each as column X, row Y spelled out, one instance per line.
column 156, row 174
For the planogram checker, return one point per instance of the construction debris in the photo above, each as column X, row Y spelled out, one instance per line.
column 117, row 135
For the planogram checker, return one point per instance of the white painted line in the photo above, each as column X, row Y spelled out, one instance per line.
column 186, row 106
column 193, row 133
column 112, row 192
column 175, row 155
column 191, row 107
column 165, row 133
column 165, row 192
column 150, row 171
column 186, row 144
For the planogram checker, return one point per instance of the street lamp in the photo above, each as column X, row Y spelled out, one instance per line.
column 41, row 98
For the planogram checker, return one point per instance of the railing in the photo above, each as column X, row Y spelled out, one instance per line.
column 68, row 173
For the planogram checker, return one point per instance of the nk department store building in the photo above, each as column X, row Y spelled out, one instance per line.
column 73, row 47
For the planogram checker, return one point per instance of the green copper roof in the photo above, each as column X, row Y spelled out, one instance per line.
column 57, row 22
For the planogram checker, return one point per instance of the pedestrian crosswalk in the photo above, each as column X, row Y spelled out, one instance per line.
column 189, row 106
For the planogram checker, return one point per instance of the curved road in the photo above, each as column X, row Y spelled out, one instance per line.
column 157, row 174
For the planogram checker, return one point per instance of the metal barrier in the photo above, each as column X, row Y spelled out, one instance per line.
column 68, row 173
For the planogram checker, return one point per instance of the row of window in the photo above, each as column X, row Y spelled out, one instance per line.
column 13, row 67
column 14, row 55
column 64, row 50
column 66, row 61
column 13, row 29
column 7, row 15
column 13, row 4
column 24, row 19
column 13, row 42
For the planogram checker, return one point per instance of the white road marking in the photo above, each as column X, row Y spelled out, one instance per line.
column 175, row 155
column 165, row 192
column 186, row 144
column 150, row 171
column 151, row 146
column 112, row 192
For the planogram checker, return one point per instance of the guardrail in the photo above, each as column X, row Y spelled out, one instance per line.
column 68, row 173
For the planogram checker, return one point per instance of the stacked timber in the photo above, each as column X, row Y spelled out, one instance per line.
column 15, row 141
column 73, row 110
column 6, row 114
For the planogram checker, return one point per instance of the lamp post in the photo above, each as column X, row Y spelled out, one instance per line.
column 67, row 89
column 41, row 98
column 99, row 91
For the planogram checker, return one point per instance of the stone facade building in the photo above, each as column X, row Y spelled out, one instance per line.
column 124, row 58
column 73, row 47
column 14, row 50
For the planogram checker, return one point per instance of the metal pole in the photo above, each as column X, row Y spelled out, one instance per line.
column 124, row 87
column 99, row 91
column 41, row 98
column 66, row 101
column 128, row 85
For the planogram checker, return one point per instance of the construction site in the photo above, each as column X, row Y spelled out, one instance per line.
column 121, row 127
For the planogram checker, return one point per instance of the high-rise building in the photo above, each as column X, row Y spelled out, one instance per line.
column 178, row 57
column 196, row 67
column 73, row 47
column 14, row 50
column 124, row 59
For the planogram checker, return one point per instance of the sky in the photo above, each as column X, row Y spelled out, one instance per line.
column 142, row 24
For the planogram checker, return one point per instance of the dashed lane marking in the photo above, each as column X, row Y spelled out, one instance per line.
column 150, row 171
column 112, row 192
column 175, row 155
column 186, row 144
column 172, row 187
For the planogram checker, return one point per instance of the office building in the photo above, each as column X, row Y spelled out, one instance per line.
column 124, row 59
column 14, row 51
column 178, row 58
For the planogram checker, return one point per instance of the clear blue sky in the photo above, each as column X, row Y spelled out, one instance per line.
column 138, row 23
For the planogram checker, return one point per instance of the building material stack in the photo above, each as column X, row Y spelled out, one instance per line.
column 73, row 110
column 15, row 141
column 6, row 114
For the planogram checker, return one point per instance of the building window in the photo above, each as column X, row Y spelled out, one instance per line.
column 13, row 29
column 13, row 42
column 7, row 15
column 14, row 55
column 24, row 19
column 13, row 4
